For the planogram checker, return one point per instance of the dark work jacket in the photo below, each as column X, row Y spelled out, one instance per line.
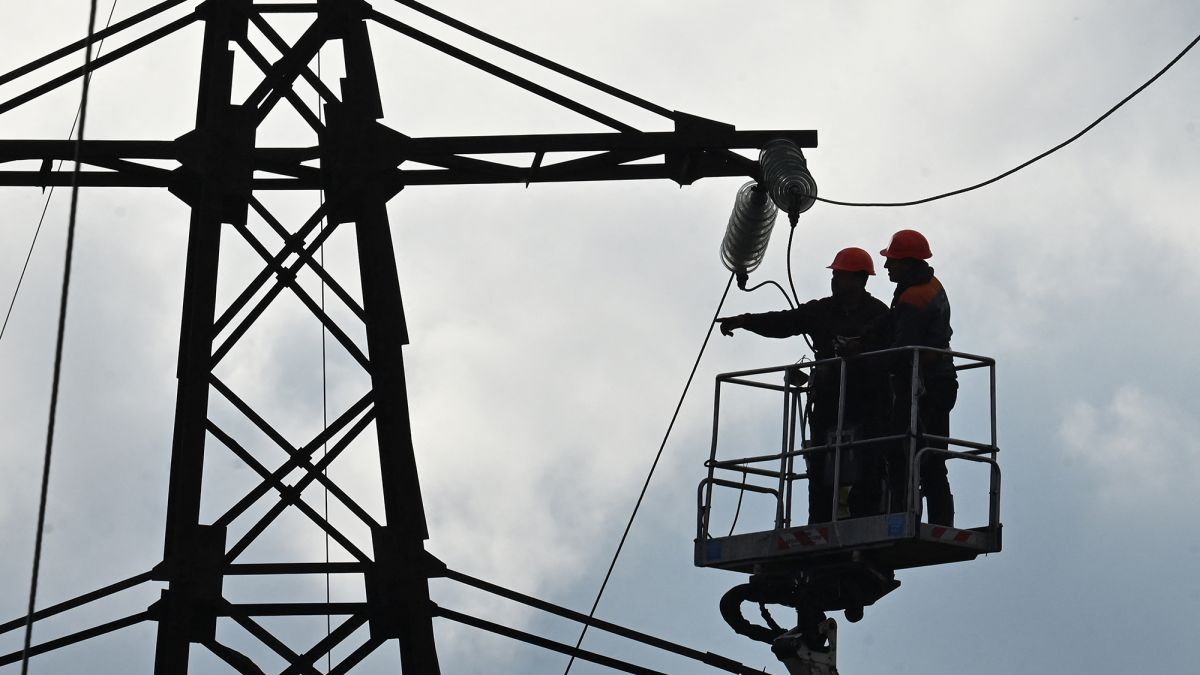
column 920, row 315
column 824, row 320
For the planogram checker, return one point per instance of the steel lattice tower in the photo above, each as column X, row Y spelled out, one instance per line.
column 221, row 174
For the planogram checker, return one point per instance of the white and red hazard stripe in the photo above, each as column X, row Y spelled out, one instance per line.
column 950, row 534
column 803, row 538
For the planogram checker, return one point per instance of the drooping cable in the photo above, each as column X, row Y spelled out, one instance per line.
column 654, row 465
column 738, row 511
column 791, row 235
column 58, row 347
column 1045, row 154
column 771, row 282
column 791, row 284
column 46, row 205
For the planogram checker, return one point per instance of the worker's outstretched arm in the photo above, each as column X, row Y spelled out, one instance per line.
column 785, row 323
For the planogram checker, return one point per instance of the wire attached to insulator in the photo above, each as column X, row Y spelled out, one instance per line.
column 791, row 235
column 770, row 282
column 791, row 283
column 1040, row 157
column 785, row 173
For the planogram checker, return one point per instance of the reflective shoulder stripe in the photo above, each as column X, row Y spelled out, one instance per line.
column 922, row 295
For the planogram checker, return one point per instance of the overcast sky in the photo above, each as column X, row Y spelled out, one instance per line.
column 552, row 328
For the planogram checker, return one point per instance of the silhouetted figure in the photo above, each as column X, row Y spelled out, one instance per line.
column 844, row 315
column 920, row 315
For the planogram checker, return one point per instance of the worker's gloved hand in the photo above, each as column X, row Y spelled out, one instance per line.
column 729, row 323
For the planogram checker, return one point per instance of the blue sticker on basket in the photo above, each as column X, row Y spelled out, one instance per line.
column 713, row 550
column 896, row 525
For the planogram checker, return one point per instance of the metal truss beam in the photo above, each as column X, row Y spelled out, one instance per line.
column 705, row 154
column 80, row 44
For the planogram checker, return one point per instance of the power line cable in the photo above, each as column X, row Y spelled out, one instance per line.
column 650, row 475
column 49, row 195
column 652, row 107
column 771, row 282
column 791, row 284
column 791, row 234
column 58, row 348
column 1045, row 154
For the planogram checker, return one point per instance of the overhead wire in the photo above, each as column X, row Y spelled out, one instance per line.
column 49, row 196
column 1042, row 156
column 654, row 465
column 58, row 347
column 660, row 110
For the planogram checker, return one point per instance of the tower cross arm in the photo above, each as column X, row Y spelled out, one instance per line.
column 687, row 155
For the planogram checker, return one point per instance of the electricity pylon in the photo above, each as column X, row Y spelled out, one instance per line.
column 220, row 173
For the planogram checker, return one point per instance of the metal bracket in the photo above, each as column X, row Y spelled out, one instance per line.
column 196, row 572
column 685, row 167
column 218, row 158
column 358, row 153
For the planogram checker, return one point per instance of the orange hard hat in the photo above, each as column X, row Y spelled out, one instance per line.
column 907, row 244
column 853, row 259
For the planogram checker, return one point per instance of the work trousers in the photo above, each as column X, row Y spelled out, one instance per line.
column 861, row 467
column 933, row 419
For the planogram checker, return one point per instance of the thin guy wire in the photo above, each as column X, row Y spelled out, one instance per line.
column 58, row 348
column 50, row 195
column 324, row 397
column 535, row 58
column 653, row 466
column 1045, row 154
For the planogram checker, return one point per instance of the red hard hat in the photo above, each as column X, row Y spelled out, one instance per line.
column 907, row 244
column 853, row 259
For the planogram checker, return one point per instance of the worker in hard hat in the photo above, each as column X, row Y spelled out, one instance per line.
column 831, row 321
column 920, row 315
